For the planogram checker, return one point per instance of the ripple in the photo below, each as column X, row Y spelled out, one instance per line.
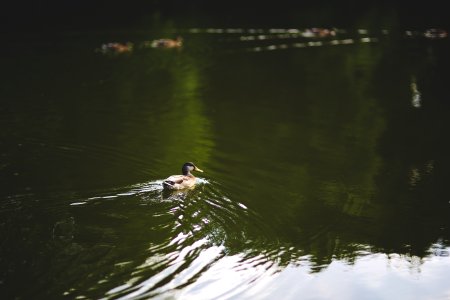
column 204, row 228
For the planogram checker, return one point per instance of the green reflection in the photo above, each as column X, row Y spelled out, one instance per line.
column 184, row 129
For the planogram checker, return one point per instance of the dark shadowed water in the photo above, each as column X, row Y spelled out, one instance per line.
column 326, row 166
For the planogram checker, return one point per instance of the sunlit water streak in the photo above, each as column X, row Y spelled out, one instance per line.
column 310, row 44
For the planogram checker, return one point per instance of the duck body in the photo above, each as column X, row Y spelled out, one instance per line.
column 183, row 181
column 178, row 182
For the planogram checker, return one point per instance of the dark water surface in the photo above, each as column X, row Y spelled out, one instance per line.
column 325, row 166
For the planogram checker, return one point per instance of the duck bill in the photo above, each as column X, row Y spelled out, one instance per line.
column 197, row 169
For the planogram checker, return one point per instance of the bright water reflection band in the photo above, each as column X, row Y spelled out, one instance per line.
column 314, row 37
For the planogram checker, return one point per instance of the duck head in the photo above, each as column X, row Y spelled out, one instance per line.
column 188, row 167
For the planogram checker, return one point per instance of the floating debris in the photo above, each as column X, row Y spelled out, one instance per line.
column 115, row 48
column 166, row 43
column 435, row 33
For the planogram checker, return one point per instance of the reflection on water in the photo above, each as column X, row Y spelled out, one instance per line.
column 322, row 178
column 212, row 247
column 200, row 228
column 376, row 276
column 416, row 97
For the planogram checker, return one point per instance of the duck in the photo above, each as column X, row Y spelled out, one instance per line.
column 167, row 43
column 184, row 181
column 116, row 48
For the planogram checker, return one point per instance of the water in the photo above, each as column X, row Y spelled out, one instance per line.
column 325, row 166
